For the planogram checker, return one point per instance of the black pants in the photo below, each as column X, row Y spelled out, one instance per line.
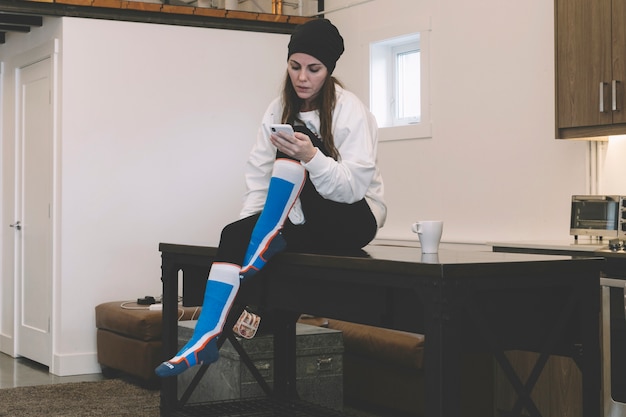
column 329, row 227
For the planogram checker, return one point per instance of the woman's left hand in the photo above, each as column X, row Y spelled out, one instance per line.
column 298, row 146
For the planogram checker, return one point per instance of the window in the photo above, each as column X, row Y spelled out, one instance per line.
column 399, row 86
column 407, row 85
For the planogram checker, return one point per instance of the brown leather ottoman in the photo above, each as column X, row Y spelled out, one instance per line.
column 129, row 338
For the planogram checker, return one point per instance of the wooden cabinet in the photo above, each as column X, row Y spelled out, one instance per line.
column 590, row 68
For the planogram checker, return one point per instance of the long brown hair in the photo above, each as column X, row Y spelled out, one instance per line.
column 325, row 103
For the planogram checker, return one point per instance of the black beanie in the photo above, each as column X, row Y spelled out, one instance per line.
column 320, row 39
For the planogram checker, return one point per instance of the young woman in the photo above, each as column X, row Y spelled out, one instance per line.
column 316, row 189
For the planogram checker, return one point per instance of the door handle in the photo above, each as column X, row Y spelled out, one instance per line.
column 17, row 225
column 614, row 95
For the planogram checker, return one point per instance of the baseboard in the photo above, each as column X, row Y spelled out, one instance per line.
column 62, row 365
column 7, row 345
column 75, row 364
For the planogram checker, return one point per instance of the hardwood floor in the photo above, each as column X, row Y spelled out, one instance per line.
column 20, row 372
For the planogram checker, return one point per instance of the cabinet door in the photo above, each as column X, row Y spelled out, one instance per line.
column 618, row 57
column 583, row 63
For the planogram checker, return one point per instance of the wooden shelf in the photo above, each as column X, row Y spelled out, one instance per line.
column 170, row 14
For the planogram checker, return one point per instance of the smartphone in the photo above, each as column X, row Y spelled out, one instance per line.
column 275, row 128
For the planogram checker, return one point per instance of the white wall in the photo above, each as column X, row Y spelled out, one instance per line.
column 156, row 125
column 167, row 117
column 492, row 170
column 613, row 170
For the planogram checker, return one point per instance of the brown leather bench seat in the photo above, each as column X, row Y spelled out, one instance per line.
column 384, row 368
column 129, row 338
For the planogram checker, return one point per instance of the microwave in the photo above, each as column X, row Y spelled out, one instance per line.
column 598, row 215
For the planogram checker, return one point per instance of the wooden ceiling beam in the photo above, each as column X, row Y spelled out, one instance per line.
column 21, row 20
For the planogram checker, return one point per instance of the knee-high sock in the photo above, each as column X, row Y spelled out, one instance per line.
column 221, row 289
column 286, row 183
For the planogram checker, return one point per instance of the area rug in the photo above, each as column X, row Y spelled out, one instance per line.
column 110, row 398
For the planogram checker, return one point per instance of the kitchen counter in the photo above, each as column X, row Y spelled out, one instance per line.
column 615, row 260
column 586, row 247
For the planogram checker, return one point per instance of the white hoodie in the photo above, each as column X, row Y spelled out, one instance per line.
column 354, row 176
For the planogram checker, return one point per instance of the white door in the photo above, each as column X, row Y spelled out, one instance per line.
column 34, row 196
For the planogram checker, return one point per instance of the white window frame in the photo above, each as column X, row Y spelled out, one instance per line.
column 383, row 47
column 398, row 51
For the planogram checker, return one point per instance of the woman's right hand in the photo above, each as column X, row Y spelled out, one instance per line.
column 298, row 146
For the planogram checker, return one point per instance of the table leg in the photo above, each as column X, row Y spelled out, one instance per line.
column 285, row 356
column 590, row 361
column 442, row 361
column 169, row 277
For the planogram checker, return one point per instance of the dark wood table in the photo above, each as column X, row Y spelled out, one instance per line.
column 499, row 301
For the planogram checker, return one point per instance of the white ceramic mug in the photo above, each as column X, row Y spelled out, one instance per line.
column 429, row 233
column 430, row 258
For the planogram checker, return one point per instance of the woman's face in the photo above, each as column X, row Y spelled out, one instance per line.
column 307, row 76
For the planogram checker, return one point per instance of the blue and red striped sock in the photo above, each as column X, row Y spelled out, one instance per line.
column 221, row 289
column 286, row 183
